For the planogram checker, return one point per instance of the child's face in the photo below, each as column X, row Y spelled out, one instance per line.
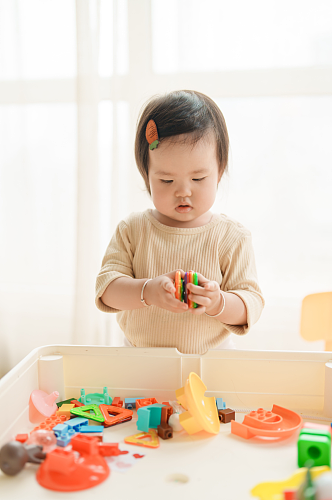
column 174, row 181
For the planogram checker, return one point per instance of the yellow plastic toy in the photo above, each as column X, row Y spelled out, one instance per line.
column 316, row 318
column 274, row 490
column 148, row 439
column 202, row 413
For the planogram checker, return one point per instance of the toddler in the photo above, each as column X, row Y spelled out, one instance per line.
column 181, row 151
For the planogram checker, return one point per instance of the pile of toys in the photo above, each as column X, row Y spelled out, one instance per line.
column 68, row 440
column 71, row 452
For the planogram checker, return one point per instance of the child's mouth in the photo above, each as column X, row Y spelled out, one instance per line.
column 183, row 208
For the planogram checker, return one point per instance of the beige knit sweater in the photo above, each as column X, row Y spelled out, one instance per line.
column 143, row 247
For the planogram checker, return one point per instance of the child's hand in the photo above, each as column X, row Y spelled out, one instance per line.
column 160, row 292
column 207, row 296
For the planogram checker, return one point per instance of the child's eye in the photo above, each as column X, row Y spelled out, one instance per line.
column 168, row 182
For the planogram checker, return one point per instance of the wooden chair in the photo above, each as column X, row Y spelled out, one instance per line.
column 316, row 318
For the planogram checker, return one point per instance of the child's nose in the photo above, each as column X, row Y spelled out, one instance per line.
column 183, row 191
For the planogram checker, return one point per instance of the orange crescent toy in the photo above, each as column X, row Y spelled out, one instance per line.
column 280, row 423
column 151, row 134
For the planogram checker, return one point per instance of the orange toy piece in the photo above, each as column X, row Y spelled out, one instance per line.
column 115, row 415
column 145, row 402
column 76, row 403
column 117, row 402
column 280, row 423
column 202, row 411
column 148, row 439
column 110, row 450
column 50, row 422
column 63, row 470
column 151, row 134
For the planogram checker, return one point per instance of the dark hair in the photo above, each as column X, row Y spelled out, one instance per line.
column 181, row 112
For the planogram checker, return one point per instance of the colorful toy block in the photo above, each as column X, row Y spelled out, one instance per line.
column 88, row 429
column 50, row 422
column 165, row 431
column 65, row 410
column 145, row 402
column 221, row 405
column 226, row 415
column 117, row 402
column 77, row 423
column 76, row 403
column 130, row 403
column 22, row 438
column 95, row 398
column 166, row 412
column 58, row 429
column 65, row 437
column 149, row 417
column 85, row 411
column 315, row 445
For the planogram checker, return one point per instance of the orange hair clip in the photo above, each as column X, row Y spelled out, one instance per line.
column 151, row 134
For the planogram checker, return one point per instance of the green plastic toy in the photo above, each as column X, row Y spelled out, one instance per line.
column 307, row 490
column 315, row 445
column 85, row 411
column 95, row 398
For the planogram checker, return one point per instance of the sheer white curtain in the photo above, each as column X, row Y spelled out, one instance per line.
column 73, row 77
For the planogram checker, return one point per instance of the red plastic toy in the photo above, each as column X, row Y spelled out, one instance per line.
column 114, row 415
column 117, row 402
column 145, row 402
column 280, row 423
column 63, row 470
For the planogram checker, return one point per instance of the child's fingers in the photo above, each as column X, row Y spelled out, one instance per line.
column 200, row 300
column 212, row 286
column 204, row 289
column 201, row 279
column 177, row 304
column 169, row 287
column 198, row 310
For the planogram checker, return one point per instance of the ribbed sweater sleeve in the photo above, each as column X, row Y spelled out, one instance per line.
column 143, row 247
column 117, row 262
column 240, row 277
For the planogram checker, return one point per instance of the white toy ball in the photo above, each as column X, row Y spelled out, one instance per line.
column 323, row 484
column 174, row 422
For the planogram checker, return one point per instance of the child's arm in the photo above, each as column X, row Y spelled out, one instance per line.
column 243, row 298
column 125, row 293
column 235, row 312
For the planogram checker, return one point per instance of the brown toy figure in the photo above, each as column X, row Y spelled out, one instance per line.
column 14, row 455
